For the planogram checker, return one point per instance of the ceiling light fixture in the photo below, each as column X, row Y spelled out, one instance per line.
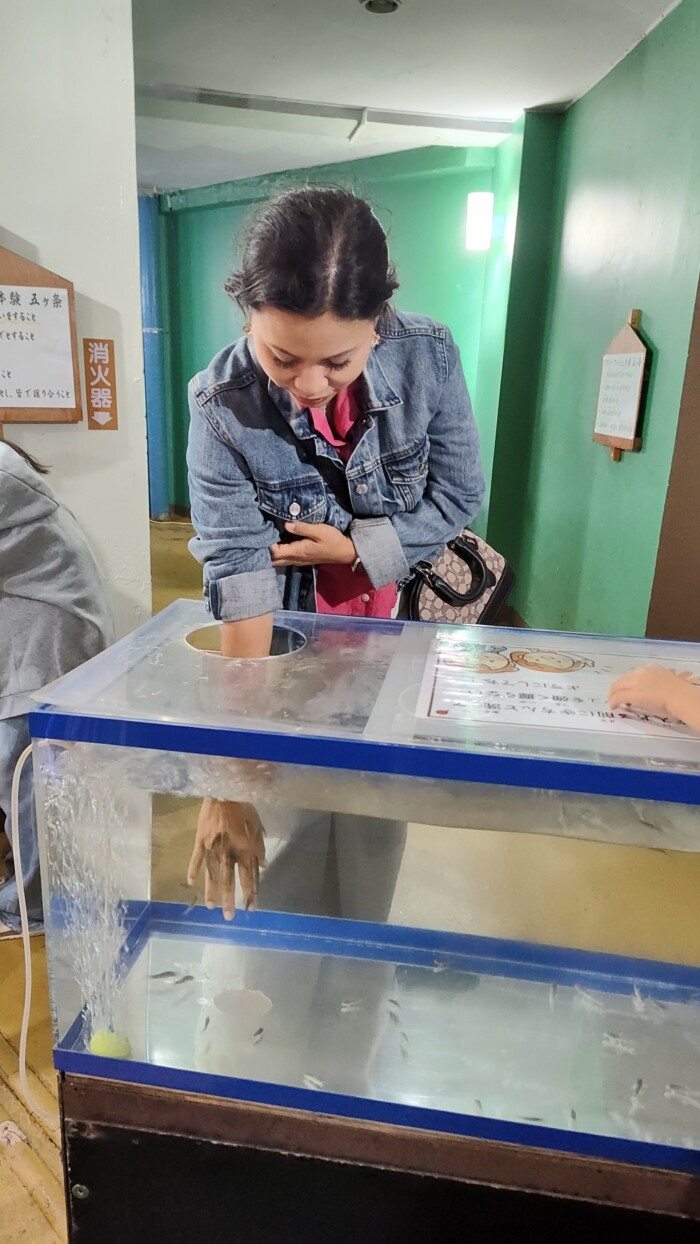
column 479, row 220
column 381, row 6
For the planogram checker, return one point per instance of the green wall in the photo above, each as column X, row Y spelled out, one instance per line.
column 421, row 198
column 505, row 186
column 514, row 374
column 583, row 531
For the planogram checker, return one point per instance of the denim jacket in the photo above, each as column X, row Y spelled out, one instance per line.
column 255, row 461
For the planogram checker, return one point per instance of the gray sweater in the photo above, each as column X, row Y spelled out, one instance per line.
column 53, row 608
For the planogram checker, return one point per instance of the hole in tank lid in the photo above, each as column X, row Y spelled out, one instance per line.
column 285, row 640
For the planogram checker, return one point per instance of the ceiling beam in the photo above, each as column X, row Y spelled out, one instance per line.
column 203, row 106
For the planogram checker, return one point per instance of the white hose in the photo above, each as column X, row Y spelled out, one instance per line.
column 29, row 1098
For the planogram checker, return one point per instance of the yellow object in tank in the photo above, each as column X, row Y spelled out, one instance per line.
column 109, row 1044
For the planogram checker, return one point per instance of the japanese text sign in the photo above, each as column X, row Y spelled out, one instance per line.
column 100, row 384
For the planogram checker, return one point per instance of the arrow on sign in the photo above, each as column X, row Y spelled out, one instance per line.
column 102, row 417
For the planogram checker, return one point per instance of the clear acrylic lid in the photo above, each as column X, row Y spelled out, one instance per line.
column 482, row 691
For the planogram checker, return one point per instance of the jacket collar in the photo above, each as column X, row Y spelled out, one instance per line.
column 379, row 394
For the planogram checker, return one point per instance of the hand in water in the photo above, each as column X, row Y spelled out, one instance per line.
column 229, row 835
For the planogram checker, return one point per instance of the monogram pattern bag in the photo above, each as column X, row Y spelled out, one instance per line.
column 468, row 584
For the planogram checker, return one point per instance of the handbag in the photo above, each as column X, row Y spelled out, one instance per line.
column 467, row 585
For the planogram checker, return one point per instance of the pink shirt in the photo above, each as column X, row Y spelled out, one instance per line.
column 339, row 589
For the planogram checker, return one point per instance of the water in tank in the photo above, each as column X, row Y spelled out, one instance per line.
column 356, row 984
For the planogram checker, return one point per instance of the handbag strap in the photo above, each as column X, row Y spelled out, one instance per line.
column 482, row 578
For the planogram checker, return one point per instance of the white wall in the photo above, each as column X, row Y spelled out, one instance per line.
column 68, row 202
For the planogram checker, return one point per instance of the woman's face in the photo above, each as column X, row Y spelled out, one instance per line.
column 312, row 359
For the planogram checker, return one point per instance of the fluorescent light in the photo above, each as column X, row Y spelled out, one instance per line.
column 479, row 220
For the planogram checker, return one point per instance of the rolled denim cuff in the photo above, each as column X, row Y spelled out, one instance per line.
column 251, row 594
column 379, row 550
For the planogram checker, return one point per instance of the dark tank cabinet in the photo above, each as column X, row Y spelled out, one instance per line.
column 349, row 1060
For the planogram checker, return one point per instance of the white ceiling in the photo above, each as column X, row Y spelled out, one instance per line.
column 471, row 59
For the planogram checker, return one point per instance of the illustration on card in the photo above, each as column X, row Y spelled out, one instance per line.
column 498, row 659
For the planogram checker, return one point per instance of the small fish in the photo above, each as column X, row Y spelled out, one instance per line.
column 647, row 1005
column 258, row 1036
column 532, row 1118
column 686, row 1096
column 350, row 1007
column 396, row 1005
column 638, row 1088
column 552, row 996
column 395, row 1019
column 190, row 909
column 206, row 1023
column 478, row 1105
column 572, row 1118
column 312, row 1082
column 611, row 1041
column 403, row 1044
column 184, row 980
column 438, row 966
column 161, row 976
column 588, row 1001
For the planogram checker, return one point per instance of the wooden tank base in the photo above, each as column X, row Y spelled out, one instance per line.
column 144, row 1165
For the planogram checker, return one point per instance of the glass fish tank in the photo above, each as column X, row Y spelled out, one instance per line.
column 354, row 987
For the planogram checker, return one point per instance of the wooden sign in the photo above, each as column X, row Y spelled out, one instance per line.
column 39, row 372
column 100, row 384
column 620, row 394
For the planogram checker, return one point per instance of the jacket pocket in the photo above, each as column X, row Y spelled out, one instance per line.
column 407, row 472
column 301, row 500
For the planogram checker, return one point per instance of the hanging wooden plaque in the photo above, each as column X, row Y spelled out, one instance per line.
column 39, row 368
column 620, row 395
column 622, row 387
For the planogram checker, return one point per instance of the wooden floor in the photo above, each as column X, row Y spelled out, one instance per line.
column 31, row 1181
column 174, row 569
column 620, row 899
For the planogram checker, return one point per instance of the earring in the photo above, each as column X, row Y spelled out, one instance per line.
column 376, row 340
column 246, row 330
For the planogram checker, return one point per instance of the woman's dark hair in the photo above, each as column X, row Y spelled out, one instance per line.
column 315, row 250
column 28, row 458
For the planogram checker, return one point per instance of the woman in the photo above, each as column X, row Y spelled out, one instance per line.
column 331, row 449
column 53, row 616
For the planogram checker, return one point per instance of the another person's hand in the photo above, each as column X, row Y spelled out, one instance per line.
column 319, row 544
column 659, row 692
column 229, row 836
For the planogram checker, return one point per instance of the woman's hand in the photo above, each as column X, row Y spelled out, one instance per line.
column 228, row 835
column 659, row 692
column 319, row 545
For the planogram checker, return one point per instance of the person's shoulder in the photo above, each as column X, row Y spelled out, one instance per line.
column 402, row 326
column 24, row 494
column 14, row 466
column 231, row 369
column 415, row 349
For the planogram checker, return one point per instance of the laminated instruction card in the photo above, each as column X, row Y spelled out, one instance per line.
column 527, row 691
column 532, row 683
